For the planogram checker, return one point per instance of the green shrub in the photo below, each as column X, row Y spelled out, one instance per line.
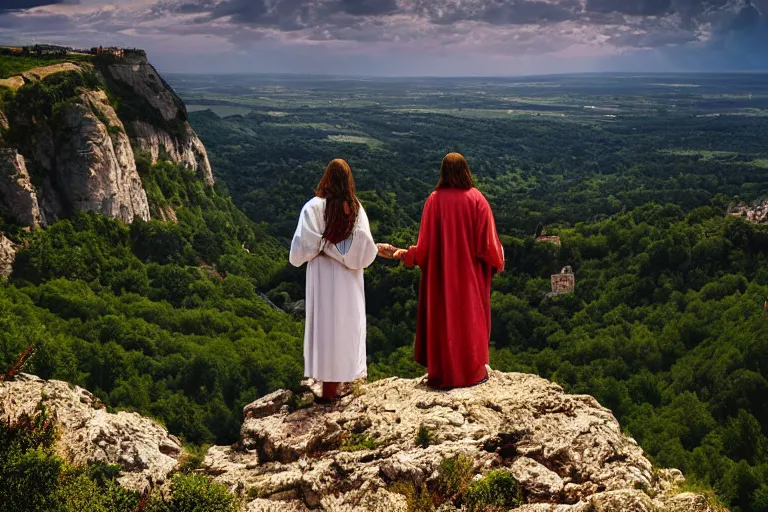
column 424, row 436
column 358, row 442
column 193, row 458
column 498, row 490
column 194, row 493
column 35, row 479
column 454, row 476
column 417, row 500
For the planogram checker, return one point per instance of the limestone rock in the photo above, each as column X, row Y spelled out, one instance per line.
column 186, row 149
column 7, row 256
column 95, row 168
column 169, row 130
column 18, row 200
column 567, row 452
column 144, row 449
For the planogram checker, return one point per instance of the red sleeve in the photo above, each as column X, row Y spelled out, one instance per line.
column 488, row 245
column 417, row 254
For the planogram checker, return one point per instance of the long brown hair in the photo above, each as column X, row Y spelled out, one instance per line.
column 455, row 173
column 341, row 206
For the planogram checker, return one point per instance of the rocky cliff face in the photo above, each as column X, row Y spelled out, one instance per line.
column 85, row 158
column 567, row 452
column 7, row 255
column 19, row 197
column 95, row 169
column 159, row 123
column 77, row 153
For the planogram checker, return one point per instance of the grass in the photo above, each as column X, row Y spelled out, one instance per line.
column 11, row 65
column 192, row 458
column 416, row 500
column 454, row 476
column 358, row 442
column 713, row 502
column 354, row 139
column 424, row 436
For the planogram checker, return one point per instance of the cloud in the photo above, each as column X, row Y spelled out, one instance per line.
column 20, row 5
column 476, row 29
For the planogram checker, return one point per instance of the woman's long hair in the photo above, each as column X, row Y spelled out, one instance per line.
column 455, row 173
column 341, row 206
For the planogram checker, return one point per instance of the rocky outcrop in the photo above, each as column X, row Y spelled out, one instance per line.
column 143, row 449
column 95, row 169
column 161, row 126
column 18, row 200
column 186, row 150
column 81, row 154
column 7, row 256
column 567, row 452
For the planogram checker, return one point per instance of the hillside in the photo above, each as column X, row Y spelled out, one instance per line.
column 144, row 284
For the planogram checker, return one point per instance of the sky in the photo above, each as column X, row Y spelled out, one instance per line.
column 408, row 37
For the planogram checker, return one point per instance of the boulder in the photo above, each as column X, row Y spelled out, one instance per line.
column 142, row 448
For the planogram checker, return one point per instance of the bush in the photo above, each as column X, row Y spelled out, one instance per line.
column 498, row 490
column 35, row 479
column 454, row 476
column 194, row 493
column 424, row 436
column 416, row 501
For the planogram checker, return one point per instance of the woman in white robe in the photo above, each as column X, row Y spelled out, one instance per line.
column 335, row 330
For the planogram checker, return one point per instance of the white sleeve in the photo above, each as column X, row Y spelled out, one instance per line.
column 308, row 239
column 363, row 250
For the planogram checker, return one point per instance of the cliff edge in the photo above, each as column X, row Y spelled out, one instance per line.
column 390, row 443
column 70, row 134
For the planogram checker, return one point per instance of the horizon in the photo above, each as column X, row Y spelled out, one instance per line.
column 408, row 38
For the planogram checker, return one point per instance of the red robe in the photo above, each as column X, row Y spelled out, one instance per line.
column 458, row 251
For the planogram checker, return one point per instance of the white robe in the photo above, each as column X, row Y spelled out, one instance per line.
column 335, row 330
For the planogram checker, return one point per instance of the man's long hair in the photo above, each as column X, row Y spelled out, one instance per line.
column 341, row 204
column 455, row 173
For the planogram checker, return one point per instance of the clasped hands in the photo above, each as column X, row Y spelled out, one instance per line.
column 390, row 252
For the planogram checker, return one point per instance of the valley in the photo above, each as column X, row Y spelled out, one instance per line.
column 149, row 292
column 634, row 173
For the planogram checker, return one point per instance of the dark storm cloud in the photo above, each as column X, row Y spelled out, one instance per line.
column 632, row 7
column 369, row 7
column 501, row 12
column 20, row 5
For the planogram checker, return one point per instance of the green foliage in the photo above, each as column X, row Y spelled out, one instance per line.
column 496, row 491
column 417, row 500
column 140, row 317
column 193, row 458
column 194, row 493
column 11, row 65
column 454, row 476
column 358, row 442
column 35, row 479
column 424, row 436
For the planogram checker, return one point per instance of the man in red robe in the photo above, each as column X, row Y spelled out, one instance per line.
column 458, row 251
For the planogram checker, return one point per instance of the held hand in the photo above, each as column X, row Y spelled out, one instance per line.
column 399, row 254
column 386, row 250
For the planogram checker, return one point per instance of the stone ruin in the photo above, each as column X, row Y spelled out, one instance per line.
column 564, row 282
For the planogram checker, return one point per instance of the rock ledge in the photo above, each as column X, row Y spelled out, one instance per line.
column 567, row 452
